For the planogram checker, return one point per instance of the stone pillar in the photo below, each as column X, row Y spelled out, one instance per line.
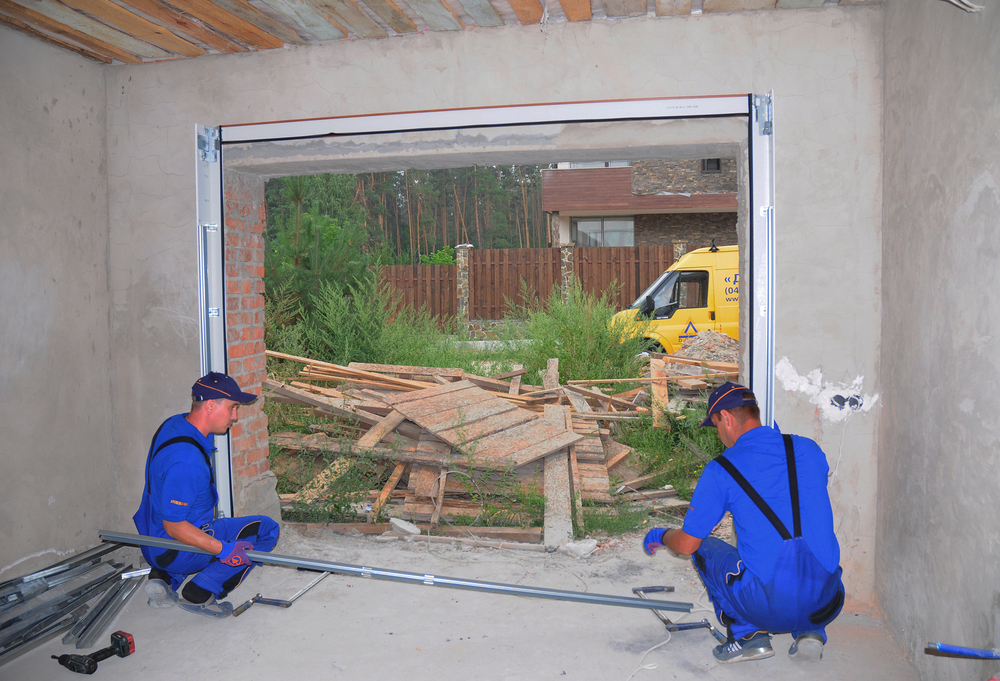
column 568, row 270
column 253, row 482
column 462, row 284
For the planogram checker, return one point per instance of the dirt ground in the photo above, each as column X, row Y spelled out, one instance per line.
column 355, row 628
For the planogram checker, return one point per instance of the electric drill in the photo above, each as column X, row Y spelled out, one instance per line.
column 122, row 645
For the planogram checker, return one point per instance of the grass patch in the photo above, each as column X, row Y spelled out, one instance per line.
column 677, row 453
column 618, row 518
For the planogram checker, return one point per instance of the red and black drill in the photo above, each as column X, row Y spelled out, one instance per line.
column 122, row 645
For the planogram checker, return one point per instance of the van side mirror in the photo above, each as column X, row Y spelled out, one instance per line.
column 647, row 307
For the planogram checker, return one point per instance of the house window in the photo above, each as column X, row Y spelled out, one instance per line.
column 711, row 165
column 618, row 231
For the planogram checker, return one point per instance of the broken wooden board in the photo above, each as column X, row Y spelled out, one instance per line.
column 557, row 487
column 485, row 427
column 617, row 452
column 402, row 371
column 594, row 483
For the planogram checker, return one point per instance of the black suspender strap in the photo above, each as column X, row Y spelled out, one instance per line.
column 793, row 485
column 755, row 497
column 173, row 441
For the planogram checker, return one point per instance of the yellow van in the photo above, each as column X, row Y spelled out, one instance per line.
column 700, row 291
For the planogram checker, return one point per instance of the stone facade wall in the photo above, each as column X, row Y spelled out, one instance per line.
column 656, row 177
column 693, row 228
column 253, row 481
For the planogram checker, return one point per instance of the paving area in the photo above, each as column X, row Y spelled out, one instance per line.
column 355, row 628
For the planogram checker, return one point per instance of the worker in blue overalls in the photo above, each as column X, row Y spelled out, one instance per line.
column 179, row 500
column 775, row 580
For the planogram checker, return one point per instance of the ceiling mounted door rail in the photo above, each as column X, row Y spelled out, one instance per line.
column 528, row 114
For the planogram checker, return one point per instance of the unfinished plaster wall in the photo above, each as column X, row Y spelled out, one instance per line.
column 824, row 67
column 938, row 530
column 58, row 483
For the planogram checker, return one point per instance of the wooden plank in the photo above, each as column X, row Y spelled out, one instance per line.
column 252, row 16
column 470, row 432
column 550, row 380
column 107, row 43
column 423, row 479
column 349, row 17
column 435, row 15
column 182, row 23
column 528, row 436
column 391, row 15
column 661, row 395
column 488, row 383
column 398, row 456
column 736, row 5
column 30, row 30
column 387, row 489
column 381, row 429
column 318, row 485
column 577, row 10
column 617, row 453
column 574, row 476
column 426, row 392
column 558, row 497
column 305, row 16
column 527, row 11
column 692, row 384
column 135, row 26
column 625, row 8
column 577, row 400
column 439, row 499
column 722, row 366
column 402, row 369
column 426, row 411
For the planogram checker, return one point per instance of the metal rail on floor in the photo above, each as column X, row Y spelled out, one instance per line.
column 412, row 577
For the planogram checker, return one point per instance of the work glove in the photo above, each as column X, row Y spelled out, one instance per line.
column 653, row 540
column 235, row 554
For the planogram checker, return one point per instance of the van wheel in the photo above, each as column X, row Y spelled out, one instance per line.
column 653, row 346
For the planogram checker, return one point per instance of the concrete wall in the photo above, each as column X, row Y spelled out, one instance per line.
column 55, row 386
column 938, row 529
column 824, row 67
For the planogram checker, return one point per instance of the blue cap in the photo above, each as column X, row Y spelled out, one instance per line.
column 216, row 386
column 729, row 395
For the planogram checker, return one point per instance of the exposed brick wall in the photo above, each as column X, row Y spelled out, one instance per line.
column 654, row 177
column 244, row 253
column 697, row 229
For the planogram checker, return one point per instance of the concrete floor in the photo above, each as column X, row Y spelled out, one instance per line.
column 354, row 628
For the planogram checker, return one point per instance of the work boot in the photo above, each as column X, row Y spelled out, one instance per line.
column 203, row 602
column 157, row 587
column 807, row 647
column 757, row 646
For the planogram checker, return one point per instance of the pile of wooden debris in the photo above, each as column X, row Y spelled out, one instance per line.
column 443, row 434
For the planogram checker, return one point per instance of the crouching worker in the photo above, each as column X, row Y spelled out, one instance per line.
column 783, row 575
column 179, row 502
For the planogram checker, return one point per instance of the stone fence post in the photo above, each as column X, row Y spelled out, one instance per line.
column 567, row 266
column 462, row 284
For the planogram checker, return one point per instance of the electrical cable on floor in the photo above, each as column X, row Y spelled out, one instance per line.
column 652, row 665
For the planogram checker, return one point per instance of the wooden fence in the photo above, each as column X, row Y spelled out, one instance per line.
column 495, row 276
column 433, row 286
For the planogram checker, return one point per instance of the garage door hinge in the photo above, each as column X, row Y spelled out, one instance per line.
column 208, row 145
column 762, row 106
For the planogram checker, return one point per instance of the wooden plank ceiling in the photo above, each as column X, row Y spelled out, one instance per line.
column 137, row 31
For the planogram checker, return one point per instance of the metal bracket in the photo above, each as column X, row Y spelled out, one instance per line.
column 763, row 113
column 209, row 145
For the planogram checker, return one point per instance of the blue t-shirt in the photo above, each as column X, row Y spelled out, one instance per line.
column 759, row 454
column 179, row 480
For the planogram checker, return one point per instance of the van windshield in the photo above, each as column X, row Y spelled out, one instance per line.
column 661, row 290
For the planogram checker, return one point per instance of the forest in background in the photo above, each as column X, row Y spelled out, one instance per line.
column 333, row 227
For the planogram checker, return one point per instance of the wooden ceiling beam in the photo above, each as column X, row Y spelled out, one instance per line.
column 25, row 28
column 436, row 15
column 672, row 7
column 577, row 10
column 392, row 15
column 253, row 16
column 134, row 25
column 40, row 21
column 309, row 19
column 625, row 8
column 527, row 11
column 189, row 26
column 228, row 23
column 350, row 18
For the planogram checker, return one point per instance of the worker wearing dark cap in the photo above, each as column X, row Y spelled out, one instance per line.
column 783, row 576
column 179, row 501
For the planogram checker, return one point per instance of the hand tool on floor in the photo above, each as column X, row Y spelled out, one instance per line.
column 122, row 645
column 412, row 577
column 281, row 604
column 641, row 592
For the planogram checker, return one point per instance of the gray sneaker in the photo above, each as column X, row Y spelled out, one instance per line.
column 210, row 608
column 807, row 648
column 160, row 594
column 755, row 647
